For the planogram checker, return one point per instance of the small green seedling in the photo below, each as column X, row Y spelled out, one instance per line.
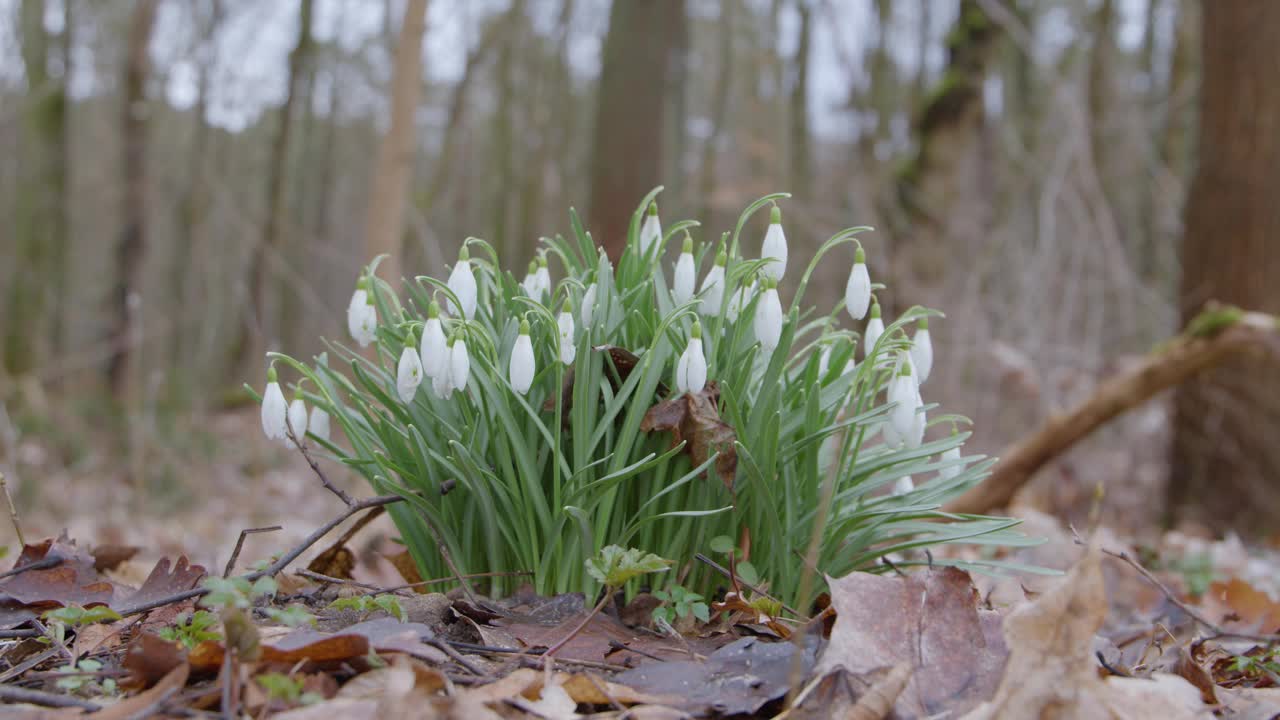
column 79, row 678
column 613, row 567
column 680, row 603
column 191, row 629
column 745, row 571
column 292, row 616
column 369, row 604
column 236, row 592
column 287, row 690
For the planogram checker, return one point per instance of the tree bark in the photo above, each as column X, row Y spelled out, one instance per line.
column 719, row 114
column 384, row 224
column 801, row 161
column 1226, row 461
column 131, row 248
column 627, row 145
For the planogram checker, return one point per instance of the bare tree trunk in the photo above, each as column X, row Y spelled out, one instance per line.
column 627, row 148
column 1225, row 457
column 719, row 114
column 801, row 162
column 131, row 248
column 501, row 182
column 258, row 331
column 385, row 222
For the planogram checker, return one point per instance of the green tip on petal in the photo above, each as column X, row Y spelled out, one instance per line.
column 653, row 208
column 297, row 392
column 775, row 215
column 271, row 374
column 687, row 247
column 770, row 284
column 524, row 327
column 433, row 310
column 696, row 331
column 875, row 309
column 533, row 266
column 860, row 256
column 542, row 261
column 905, row 371
column 410, row 340
column 722, row 258
column 362, row 283
column 568, row 305
column 464, row 254
column 922, row 324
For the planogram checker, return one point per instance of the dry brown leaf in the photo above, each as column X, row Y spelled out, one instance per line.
column 109, row 557
column 383, row 635
column 72, row 582
column 370, row 685
column 408, row 569
column 695, row 419
column 928, row 620
column 1242, row 607
column 144, row 704
column 593, row 690
column 150, row 658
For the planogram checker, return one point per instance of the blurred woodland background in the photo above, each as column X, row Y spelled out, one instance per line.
column 186, row 183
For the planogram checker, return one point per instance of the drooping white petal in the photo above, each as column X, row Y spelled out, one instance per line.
column 875, row 328
column 530, row 285
column 568, row 348
column 713, row 290
column 650, row 233
column 903, row 485
column 408, row 374
column 774, row 246
column 918, row 422
column 434, row 354
column 522, row 368
column 685, row 278
column 274, row 409
column 768, row 323
column 442, row 382
column 355, row 312
column 366, row 329
column 318, row 423
column 691, row 371
column 922, row 354
column 857, row 292
column 905, row 396
column 588, row 305
column 541, row 282
column 950, row 455
column 740, row 300
column 459, row 365
column 297, row 419
column 824, row 361
column 462, row 281
column 891, row 437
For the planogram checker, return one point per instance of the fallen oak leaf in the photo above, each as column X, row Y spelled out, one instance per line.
column 72, row 581
column 694, row 418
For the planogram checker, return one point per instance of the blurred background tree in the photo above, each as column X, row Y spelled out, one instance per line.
column 195, row 182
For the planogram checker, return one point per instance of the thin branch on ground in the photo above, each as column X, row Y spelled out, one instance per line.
column 235, row 553
column 448, row 558
column 470, row 576
column 315, row 467
column 53, row 639
column 551, row 651
column 330, row 580
column 725, row 572
column 13, row 511
column 9, row 693
column 41, row 564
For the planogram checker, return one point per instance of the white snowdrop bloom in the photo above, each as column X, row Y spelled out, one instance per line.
column 297, row 418
column 651, row 230
column 775, row 246
column 522, row 367
column 459, row 365
column 857, row 292
column 409, row 371
column 318, row 423
column 905, row 395
column 918, row 422
column 952, row 471
column 903, row 485
column 434, row 353
column 824, row 361
column 768, row 322
column 363, row 321
column 891, row 437
column 355, row 309
column 691, row 370
column 588, row 305
column 442, row 382
column 686, row 276
column 462, row 281
column 542, row 278
column 568, row 348
column 875, row 328
column 740, row 300
column 713, row 286
column 530, row 282
column 274, row 409
column 922, row 351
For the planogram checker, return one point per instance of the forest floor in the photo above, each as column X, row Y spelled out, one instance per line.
column 1145, row 623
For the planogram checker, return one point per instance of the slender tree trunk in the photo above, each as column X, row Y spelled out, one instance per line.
column 627, row 147
column 126, row 301
column 259, row 330
column 384, row 224
column 719, row 114
column 1226, row 462
column 801, row 162
column 502, row 182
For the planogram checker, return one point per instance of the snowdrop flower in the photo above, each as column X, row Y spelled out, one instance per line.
column 651, row 231
column 713, row 286
column 875, row 328
column 434, row 354
column 319, row 423
column 462, row 281
column 769, row 316
column 588, row 305
column 442, row 382
column 459, row 364
column 903, row 485
column 522, row 362
column 686, row 275
column 409, row 371
column 857, row 292
column 541, row 278
column 568, row 349
column 691, row 370
column 297, row 418
column 775, row 246
column 530, row 282
column 356, row 309
column 949, row 455
column 922, row 351
column 824, row 361
column 740, row 300
column 274, row 409
column 905, row 395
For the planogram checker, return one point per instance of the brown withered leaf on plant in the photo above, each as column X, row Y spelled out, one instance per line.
column 695, row 419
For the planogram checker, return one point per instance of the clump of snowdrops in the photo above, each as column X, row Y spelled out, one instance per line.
column 535, row 421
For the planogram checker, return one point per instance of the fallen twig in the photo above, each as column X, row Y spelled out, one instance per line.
column 235, row 553
column 13, row 511
column 41, row 564
column 725, row 572
column 1215, row 335
column 9, row 693
column 342, row 494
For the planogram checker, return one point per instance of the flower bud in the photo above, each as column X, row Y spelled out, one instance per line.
column 530, row 282
column 768, row 324
column 588, row 305
column 686, row 275
column 775, row 246
column 521, row 369
column 409, row 371
column 462, row 282
column 713, row 286
column 356, row 309
column 691, row 370
column 857, row 292
column 459, row 364
column 905, row 395
column 434, row 354
column 318, row 423
column 274, row 409
column 541, row 278
column 568, row 349
column 651, row 230
column 903, row 485
column 922, row 350
column 875, row 328
column 951, row 471
column 297, row 418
